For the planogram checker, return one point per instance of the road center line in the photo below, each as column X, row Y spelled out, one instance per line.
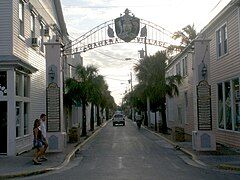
column 120, row 164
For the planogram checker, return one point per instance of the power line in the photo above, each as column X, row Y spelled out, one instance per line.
column 103, row 53
column 107, row 55
column 115, row 79
column 216, row 6
column 106, row 7
column 114, row 75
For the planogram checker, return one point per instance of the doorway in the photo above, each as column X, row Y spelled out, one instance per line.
column 3, row 127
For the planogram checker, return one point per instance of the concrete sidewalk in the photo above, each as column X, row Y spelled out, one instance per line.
column 22, row 165
column 223, row 158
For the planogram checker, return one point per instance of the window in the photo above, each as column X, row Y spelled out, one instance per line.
column 18, row 119
column 220, row 106
column 179, row 109
column 228, row 108
column 186, row 106
column 22, row 103
column 26, row 118
column 21, row 17
column 222, row 44
column 41, row 36
column 184, row 66
column 236, row 105
column 229, row 105
column 32, row 21
column 18, row 84
column 186, row 99
column 225, row 45
column 3, row 83
column 178, row 69
column 26, row 86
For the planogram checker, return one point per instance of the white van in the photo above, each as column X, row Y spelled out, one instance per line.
column 118, row 119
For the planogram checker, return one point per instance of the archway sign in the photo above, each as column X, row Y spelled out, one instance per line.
column 125, row 29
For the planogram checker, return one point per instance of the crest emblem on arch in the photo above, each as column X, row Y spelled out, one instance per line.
column 127, row 26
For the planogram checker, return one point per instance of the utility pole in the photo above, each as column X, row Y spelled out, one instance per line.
column 132, row 113
column 148, row 100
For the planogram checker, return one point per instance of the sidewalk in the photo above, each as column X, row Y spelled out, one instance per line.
column 223, row 158
column 20, row 166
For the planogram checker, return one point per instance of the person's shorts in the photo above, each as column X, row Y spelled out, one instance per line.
column 44, row 141
column 37, row 144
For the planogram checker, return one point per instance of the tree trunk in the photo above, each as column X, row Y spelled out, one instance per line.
column 145, row 118
column 155, row 121
column 102, row 115
column 92, row 118
column 148, row 111
column 98, row 116
column 84, row 128
column 107, row 114
column 164, row 119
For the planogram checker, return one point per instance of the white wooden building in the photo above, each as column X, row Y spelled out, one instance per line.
column 25, row 25
column 218, row 47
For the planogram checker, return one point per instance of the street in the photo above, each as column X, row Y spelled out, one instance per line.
column 124, row 152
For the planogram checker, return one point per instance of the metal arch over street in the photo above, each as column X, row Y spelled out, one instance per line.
column 124, row 29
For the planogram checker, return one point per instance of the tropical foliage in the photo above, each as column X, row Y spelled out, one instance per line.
column 87, row 87
column 153, row 84
column 186, row 35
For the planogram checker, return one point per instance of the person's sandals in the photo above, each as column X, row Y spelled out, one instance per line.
column 35, row 162
column 43, row 158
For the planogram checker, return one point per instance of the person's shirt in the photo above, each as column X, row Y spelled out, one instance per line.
column 138, row 117
column 43, row 129
column 37, row 133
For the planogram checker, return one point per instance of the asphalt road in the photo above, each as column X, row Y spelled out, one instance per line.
column 128, row 153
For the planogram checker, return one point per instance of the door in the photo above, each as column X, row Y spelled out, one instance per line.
column 3, row 127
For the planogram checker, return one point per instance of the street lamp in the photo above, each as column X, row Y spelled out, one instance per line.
column 204, row 70
column 52, row 75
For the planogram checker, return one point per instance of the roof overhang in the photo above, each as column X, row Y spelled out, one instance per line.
column 9, row 61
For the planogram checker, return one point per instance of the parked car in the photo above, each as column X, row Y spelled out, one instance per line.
column 118, row 119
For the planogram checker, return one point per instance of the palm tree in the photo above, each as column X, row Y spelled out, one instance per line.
column 95, row 97
column 79, row 89
column 151, row 74
column 186, row 35
column 137, row 100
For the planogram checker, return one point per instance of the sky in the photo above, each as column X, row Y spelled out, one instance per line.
column 83, row 15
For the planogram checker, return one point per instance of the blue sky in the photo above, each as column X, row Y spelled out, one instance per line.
column 83, row 15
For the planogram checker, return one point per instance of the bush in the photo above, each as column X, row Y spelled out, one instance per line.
column 73, row 135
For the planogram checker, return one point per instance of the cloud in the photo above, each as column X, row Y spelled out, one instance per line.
column 83, row 15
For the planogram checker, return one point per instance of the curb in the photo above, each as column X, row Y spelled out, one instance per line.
column 185, row 151
column 229, row 167
column 67, row 159
column 193, row 156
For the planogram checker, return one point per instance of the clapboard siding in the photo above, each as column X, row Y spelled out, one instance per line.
column 220, row 69
column 23, row 49
column 179, row 101
column 5, row 27
column 38, row 84
column 19, row 45
column 224, row 68
column 47, row 11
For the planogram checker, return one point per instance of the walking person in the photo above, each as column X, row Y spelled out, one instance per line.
column 44, row 135
column 37, row 142
column 138, row 120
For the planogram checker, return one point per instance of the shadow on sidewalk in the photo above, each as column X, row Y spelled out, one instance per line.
column 22, row 165
column 224, row 157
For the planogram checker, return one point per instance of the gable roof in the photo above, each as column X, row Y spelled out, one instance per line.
column 225, row 10
column 60, row 17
